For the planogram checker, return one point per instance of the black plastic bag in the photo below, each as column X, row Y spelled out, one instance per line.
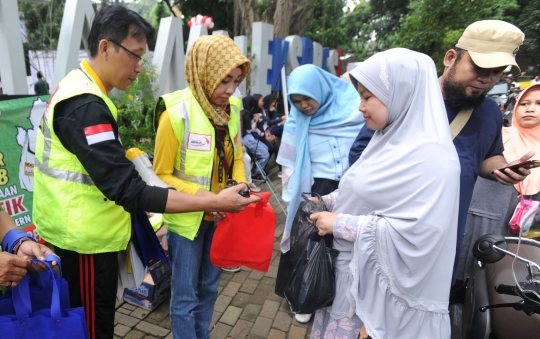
column 312, row 283
column 302, row 228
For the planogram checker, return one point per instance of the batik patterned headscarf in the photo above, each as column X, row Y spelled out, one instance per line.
column 209, row 61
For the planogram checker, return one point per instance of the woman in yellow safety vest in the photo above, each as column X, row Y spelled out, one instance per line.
column 198, row 150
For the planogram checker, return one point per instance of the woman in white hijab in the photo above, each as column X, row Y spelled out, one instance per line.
column 395, row 213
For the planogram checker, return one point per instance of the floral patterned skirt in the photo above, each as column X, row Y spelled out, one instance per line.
column 326, row 327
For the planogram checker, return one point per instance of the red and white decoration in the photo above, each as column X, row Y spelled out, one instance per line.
column 99, row 133
column 201, row 20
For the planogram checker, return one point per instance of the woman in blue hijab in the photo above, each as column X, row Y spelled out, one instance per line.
column 317, row 137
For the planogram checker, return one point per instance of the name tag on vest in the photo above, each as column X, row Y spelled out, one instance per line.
column 199, row 142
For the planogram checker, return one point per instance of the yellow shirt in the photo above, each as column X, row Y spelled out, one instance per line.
column 165, row 152
column 88, row 69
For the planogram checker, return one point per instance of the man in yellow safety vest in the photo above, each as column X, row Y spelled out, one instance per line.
column 85, row 187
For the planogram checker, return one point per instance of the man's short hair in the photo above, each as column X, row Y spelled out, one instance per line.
column 459, row 52
column 39, row 75
column 113, row 22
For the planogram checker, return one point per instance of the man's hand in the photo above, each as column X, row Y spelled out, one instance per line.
column 324, row 222
column 12, row 269
column 30, row 249
column 229, row 200
column 509, row 177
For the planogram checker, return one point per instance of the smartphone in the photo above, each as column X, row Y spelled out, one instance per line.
column 527, row 164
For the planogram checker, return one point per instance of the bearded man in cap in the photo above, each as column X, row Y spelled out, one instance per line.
column 472, row 67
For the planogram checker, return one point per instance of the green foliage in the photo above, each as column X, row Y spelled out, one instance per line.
column 42, row 23
column 359, row 29
column 160, row 10
column 528, row 22
column 431, row 26
column 325, row 28
column 372, row 26
column 152, row 11
column 135, row 109
column 143, row 7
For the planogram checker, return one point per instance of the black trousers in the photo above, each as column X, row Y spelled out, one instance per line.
column 93, row 281
column 286, row 263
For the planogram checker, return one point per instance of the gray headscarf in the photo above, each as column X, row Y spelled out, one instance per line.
column 406, row 184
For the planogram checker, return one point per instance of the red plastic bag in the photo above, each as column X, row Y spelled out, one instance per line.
column 246, row 238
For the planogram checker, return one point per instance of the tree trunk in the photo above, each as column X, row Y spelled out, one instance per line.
column 282, row 18
column 301, row 17
column 247, row 16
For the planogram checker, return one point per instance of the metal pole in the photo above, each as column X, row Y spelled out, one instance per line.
column 284, row 89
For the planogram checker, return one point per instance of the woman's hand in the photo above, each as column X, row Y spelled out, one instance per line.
column 230, row 200
column 363, row 333
column 30, row 250
column 316, row 200
column 12, row 269
column 324, row 222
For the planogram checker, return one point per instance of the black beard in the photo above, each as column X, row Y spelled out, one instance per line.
column 457, row 97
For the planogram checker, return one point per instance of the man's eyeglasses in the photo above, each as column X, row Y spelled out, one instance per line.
column 138, row 57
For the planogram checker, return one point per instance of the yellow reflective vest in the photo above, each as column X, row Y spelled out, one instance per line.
column 69, row 210
column 195, row 157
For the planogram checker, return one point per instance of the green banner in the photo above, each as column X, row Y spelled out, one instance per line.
column 19, row 122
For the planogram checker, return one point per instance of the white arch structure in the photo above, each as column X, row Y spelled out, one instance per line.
column 169, row 53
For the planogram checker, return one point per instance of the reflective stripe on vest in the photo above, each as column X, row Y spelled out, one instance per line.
column 187, row 117
column 180, row 173
column 57, row 173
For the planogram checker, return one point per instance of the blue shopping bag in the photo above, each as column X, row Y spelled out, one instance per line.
column 49, row 323
column 145, row 241
column 40, row 285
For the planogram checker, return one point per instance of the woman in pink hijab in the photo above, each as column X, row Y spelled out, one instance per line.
column 524, row 136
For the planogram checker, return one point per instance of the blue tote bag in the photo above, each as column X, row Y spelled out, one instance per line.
column 145, row 241
column 40, row 284
column 49, row 323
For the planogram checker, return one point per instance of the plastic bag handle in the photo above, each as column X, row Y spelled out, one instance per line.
column 313, row 194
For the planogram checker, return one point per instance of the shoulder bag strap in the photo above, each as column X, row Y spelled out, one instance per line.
column 459, row 121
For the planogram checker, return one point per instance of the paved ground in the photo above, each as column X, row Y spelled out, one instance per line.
column 247, row 306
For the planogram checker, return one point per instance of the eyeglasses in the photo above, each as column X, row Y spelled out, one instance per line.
column 138, row 57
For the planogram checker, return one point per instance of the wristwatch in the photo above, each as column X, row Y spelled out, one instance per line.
column 19, row 243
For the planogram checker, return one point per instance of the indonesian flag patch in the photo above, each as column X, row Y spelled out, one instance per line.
column 99, row 133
